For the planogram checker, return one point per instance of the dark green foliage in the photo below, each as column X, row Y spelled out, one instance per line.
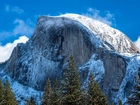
column 46, row 100
column 51, row 94
column 9, row 98
column 120, row 102
column 84, row 98
column 30, row 101
column 1, row 94
column 96, row 96
column 134, row 98
column 71, row 85
column 69, row 91
column 56, row 96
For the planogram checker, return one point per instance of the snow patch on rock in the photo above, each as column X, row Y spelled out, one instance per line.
column 22, row 92
column 129, row 79
column 111, row 37
column 95, row 67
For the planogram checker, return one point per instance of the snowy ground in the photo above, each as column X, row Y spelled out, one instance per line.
column 22, row 92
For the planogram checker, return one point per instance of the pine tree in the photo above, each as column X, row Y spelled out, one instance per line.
column 55, row 96
column 46, row 99
column 30, row 101
column 120, row 102
column 84, row 98
column 71, row 85
column 9, row 98
column 1, row 94
column 96, row 96
column 134, row 98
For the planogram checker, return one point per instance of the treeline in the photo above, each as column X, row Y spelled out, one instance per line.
column 6, row 95
column 65, row 92
column 68, row 91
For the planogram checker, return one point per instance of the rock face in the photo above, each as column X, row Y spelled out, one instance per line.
column 46, row 53
column 112, row 39
column 115, row 70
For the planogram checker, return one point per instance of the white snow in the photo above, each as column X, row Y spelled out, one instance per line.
column 95, row 67
column 113, row 37
column 60, row 22
column 22, row 92
column 130, row 77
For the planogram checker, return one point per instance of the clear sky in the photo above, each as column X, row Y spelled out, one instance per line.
column 18, row 17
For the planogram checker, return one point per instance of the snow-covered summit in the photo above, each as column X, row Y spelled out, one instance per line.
column 113, row 39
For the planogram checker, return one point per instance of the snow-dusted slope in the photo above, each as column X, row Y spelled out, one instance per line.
column 130, row 78
column 22, row 93
column 113, row 38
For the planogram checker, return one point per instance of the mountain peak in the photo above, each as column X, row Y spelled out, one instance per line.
column 113, row 39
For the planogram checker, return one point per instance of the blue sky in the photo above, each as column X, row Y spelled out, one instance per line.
column 18, row 17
